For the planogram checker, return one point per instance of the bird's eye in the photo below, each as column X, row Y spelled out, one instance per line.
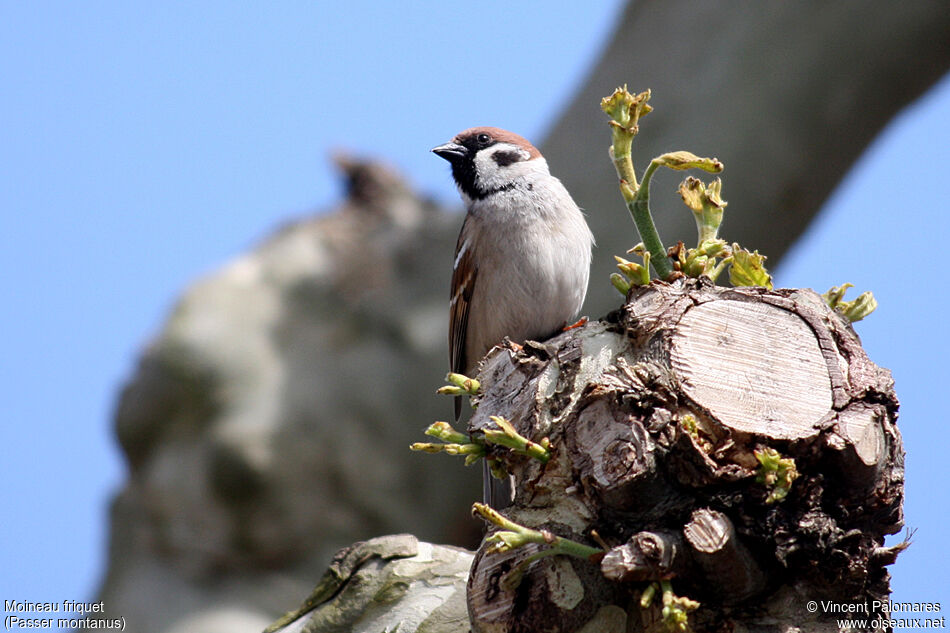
column 483, row 139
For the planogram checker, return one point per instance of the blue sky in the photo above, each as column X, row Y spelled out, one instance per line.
column 145, row 144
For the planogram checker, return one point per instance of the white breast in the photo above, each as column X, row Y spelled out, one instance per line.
column 533, row 265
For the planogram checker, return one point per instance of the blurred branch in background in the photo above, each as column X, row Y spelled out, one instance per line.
column 786, row 94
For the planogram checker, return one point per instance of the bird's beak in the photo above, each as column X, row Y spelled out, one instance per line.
column 452, row 152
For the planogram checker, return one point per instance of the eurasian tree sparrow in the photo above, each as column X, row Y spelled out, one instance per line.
column 523, row 256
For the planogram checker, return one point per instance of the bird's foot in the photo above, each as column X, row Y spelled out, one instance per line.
column 580, row 322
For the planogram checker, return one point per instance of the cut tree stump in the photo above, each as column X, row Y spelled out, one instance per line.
column 655, row 415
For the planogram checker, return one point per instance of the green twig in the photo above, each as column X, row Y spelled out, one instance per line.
column 638, row 203
column 647, row 596
column 512, row 536
column 454, row 443
column 625, row 110
column 459, row 385
column 507, row 436
column 472, row 447
column 675, row 609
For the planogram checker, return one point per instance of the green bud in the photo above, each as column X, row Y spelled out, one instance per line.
column 702, row 259
column 689, row 425
column 687, row 160
column 625, row 109
column 707, row 205
column 469, row 385
column 620, row 283
column 445, row 432
column 637, row 275
column 427, row 447
column 776, row 472
column 856, row 310
column 835, row 294
column 713, row 247
column 647, row 596
column 691, row 190
column 676, row 609
column 714, row 193
column 696, row 263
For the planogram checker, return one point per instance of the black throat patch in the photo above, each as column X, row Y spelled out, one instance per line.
column 464, row 174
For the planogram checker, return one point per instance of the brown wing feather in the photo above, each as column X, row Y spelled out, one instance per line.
column 463, row 284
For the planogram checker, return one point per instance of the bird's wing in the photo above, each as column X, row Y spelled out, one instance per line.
column 464, row 274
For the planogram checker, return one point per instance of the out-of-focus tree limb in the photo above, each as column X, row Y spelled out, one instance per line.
column 787, row 94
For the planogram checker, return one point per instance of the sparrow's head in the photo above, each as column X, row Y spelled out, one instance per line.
column 487, row 160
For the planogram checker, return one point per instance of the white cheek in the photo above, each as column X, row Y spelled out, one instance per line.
column 489, row 175
column 493, row 176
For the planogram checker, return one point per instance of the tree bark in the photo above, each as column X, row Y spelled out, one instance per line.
column 656, row 416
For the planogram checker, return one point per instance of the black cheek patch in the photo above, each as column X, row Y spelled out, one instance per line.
column 503, row 159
